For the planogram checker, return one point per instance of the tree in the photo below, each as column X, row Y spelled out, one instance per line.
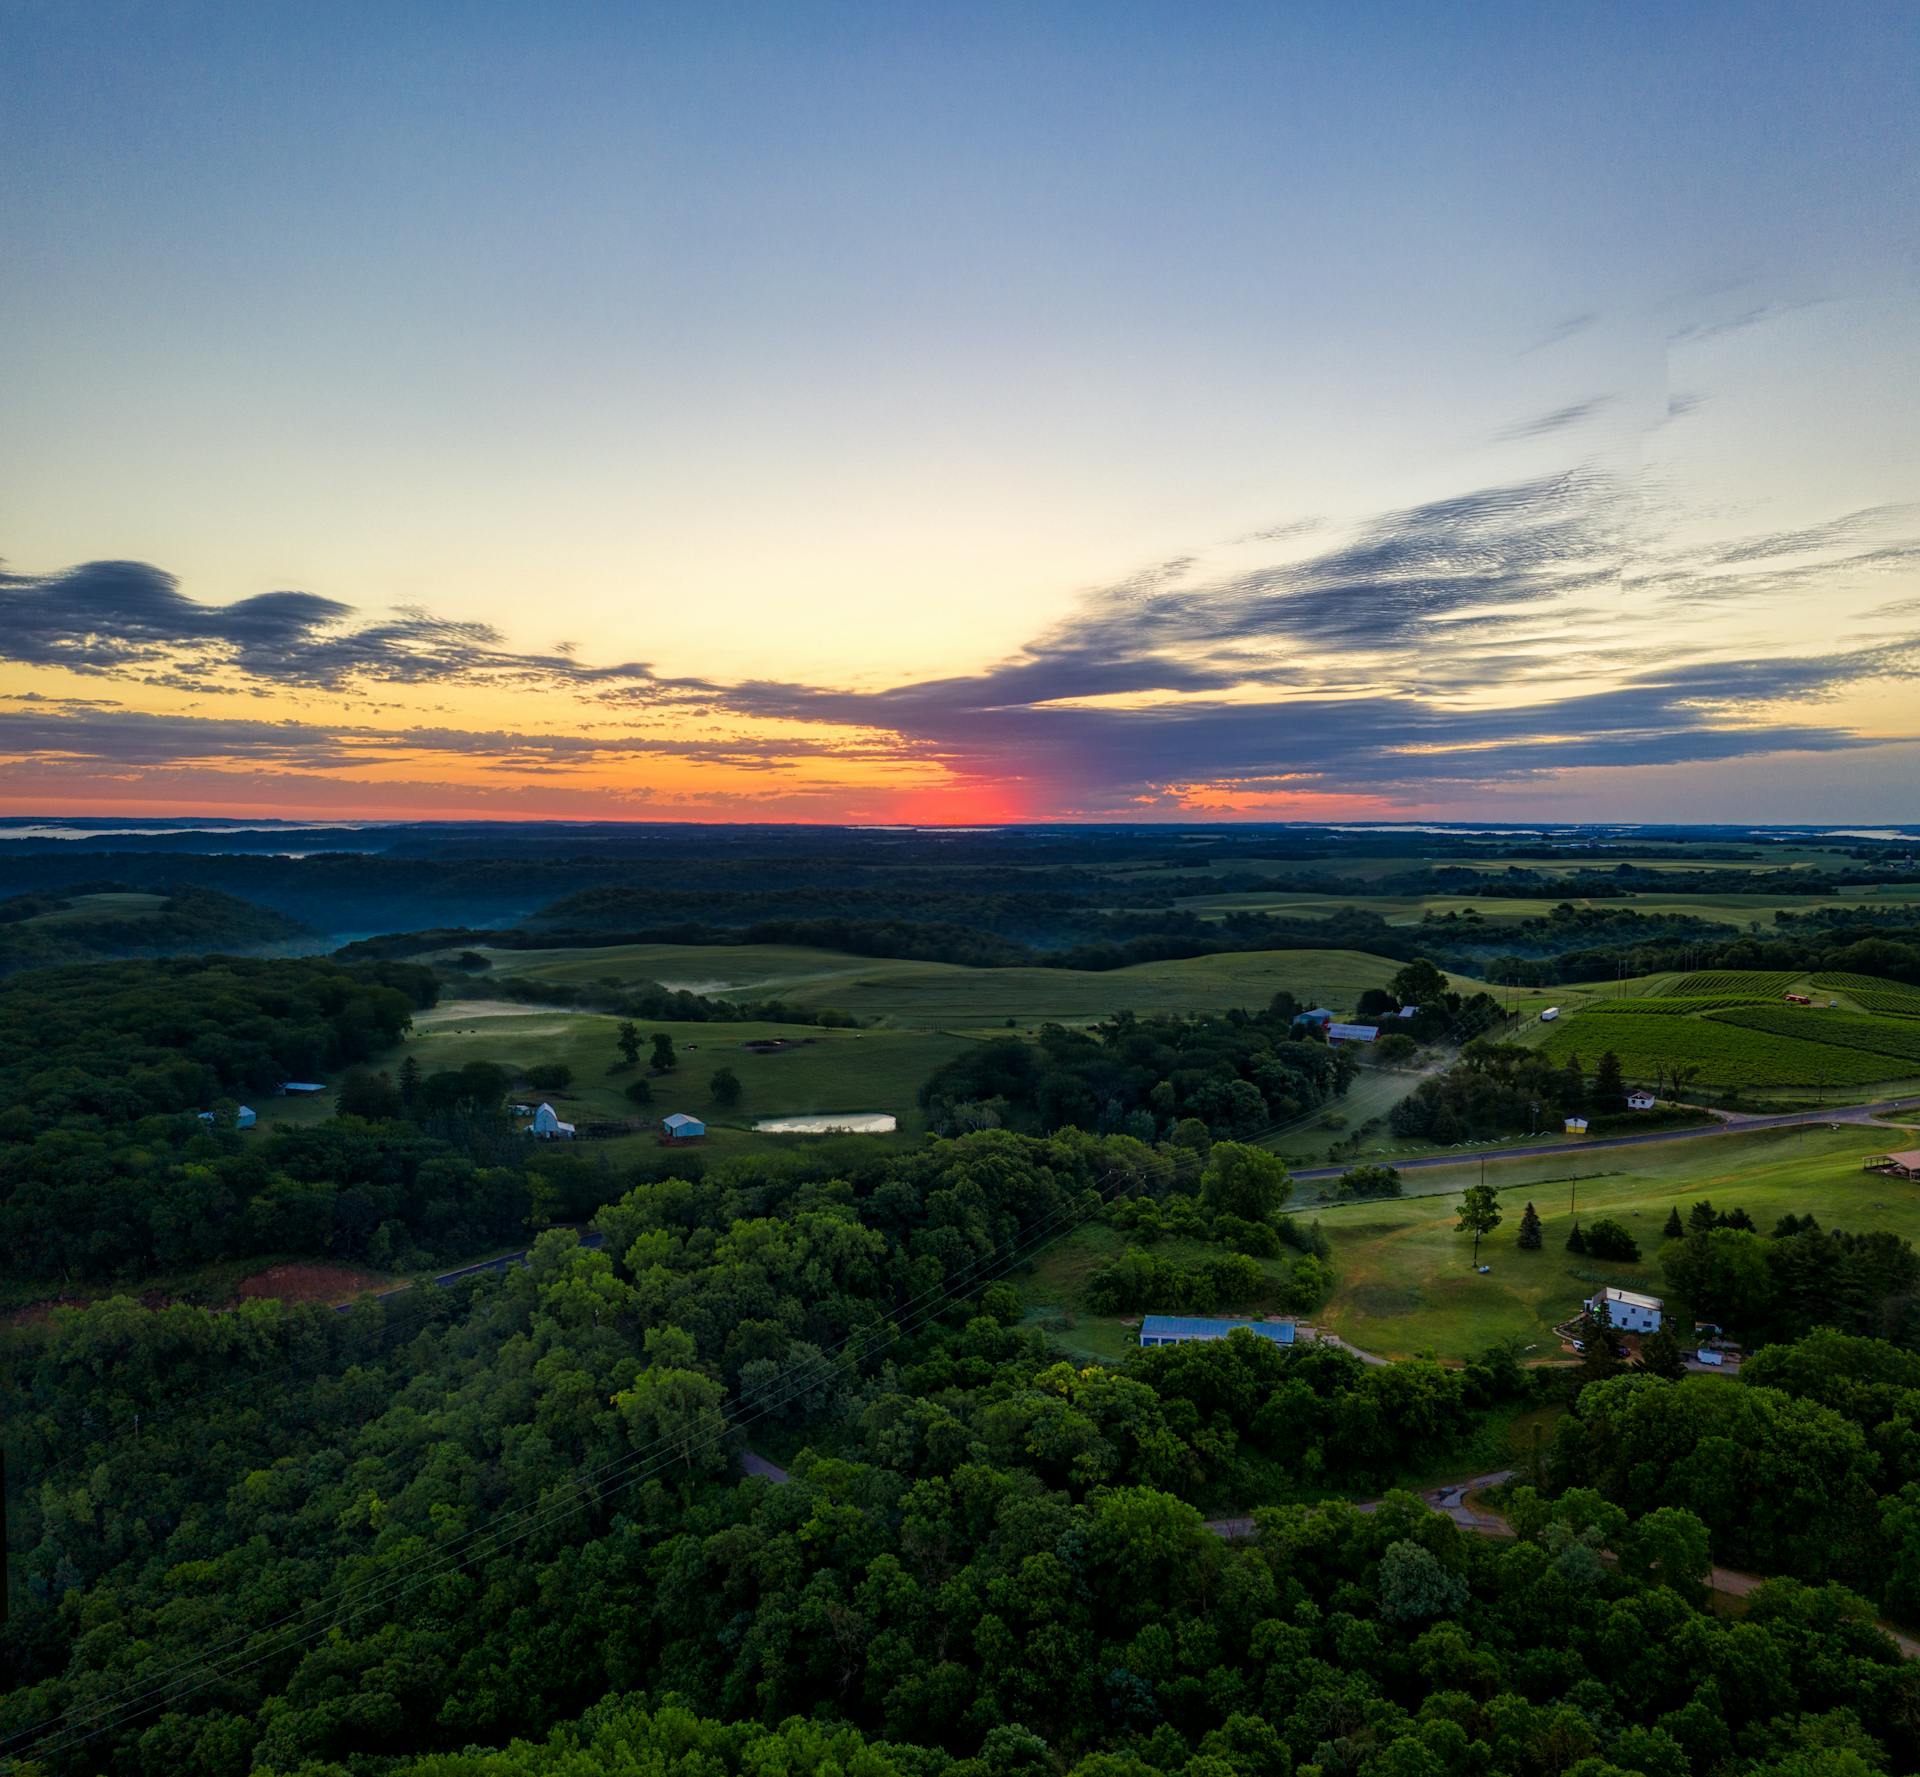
column 628, row 1038
column 725, row 1087
column 1576, row 1241
column 1419, row 983
column 1528, row 1239
column 409, row 1081
column 1609, row 1084
column 1246, row 1182
column 1702, row 1219
column 664, row 1061
column 1573, row 1085
column 1660, row 1356
column 364, row 1093
column 1674, row 1228
column 1414, row 1586
column 1479, row 1214
column 1369, row 1181
column 639, row 1092
column 1608, row 1239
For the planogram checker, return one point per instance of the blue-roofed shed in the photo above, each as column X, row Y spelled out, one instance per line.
column 1182, row 1329
column 1319, row 1015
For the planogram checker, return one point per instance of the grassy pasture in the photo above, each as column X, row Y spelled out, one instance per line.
column 946, row 996
column 834, row 1071
column 1405, row 1283
column 1404, row 1279
column 113, row 904
column 1741, row 912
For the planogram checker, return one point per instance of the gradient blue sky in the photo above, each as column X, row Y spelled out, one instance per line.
column 855, row 411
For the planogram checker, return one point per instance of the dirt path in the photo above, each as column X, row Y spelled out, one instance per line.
column 1455, row 1499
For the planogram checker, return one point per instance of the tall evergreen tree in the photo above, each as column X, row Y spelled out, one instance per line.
column 1576, row 1241
column 1609, row 1084
column 1675, row 1227
column 1528, row 1239
column 1573, row 1085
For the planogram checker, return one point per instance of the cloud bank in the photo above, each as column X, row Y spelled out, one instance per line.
column 1496, row 637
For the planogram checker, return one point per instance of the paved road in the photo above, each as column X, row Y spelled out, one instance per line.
column 1732, row 1123
column 588, row 1237
column 753, row 1463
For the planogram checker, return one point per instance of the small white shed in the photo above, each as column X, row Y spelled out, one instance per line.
column 1640, row 1099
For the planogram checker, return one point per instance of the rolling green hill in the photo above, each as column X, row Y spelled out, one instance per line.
column 948, row 996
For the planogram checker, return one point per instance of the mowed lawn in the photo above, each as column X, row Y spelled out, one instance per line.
column 822, row 1070
column 946, row 996
column 1405, row 1278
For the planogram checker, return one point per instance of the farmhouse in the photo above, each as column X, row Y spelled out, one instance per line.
column 1628, row 1310
column 1640, row 1099
column 546, row 1125
column 681, row 1127
column 1905, row 1164
column 1182, row 1329
column 1352, row 1033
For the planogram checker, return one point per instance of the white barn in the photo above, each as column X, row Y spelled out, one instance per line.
column 243, row 1118
column 681, row 1127
column 546, row 1125
column 1627, row 1310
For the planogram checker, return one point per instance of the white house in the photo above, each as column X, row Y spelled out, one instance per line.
column 1640, row 1099
column 1182, row 1329
column 243, row 1118
column 681, row 1127
column 1352, row 1033
column 546, row 1125
column 1628, row 1310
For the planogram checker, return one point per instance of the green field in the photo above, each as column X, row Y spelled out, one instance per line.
column 946, row 996
column 109, row 904
column 822, row 1070
column 1405, row 1284
column 1743, row 912
column 1738, row 1029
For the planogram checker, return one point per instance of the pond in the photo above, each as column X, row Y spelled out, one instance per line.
column 832, row 1123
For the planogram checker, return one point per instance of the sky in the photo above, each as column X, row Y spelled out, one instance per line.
column 960, row 413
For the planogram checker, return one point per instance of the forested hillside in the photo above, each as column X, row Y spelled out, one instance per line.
column 363, row 1542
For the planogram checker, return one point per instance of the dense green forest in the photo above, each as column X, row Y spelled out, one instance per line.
column 104, row 919
column 286, row 1540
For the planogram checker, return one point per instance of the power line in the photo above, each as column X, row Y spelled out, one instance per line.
column 643, row 1463
column 634, row 1467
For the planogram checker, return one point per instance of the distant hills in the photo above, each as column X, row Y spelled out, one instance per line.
column 97, row 922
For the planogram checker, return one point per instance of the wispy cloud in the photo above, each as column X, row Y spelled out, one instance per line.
column 1543, row 424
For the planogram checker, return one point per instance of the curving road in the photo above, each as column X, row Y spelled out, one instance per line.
column 1731, row 1123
